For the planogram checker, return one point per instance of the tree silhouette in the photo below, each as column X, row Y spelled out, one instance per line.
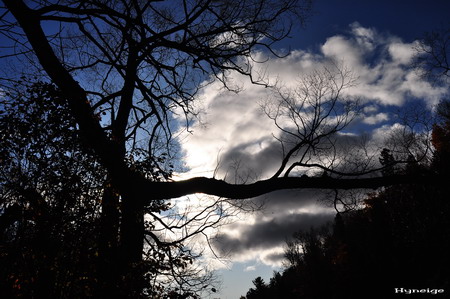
column 432, row 56
column 260, row 290
column 441, row 137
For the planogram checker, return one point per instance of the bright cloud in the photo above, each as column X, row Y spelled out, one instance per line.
column 401, row 53
column 375, row 119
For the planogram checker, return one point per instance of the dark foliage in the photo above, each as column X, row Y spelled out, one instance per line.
column 50, row 185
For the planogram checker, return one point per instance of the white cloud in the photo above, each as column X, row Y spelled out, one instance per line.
column 250, row 268
column 343, row 49
column 366, row 38
column 375, row 119
column 380, row 134
column 234, row 126
column 402, row 53
column 381, row 63
column 370, row 109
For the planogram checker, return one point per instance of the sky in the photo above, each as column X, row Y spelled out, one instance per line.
column 234, row 139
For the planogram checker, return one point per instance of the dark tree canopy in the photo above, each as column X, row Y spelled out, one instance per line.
column 50, row 185
column 123, row 68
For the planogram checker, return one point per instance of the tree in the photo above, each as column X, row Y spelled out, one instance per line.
column 432, row 59
column 260, row 290
column 146, row 59
column 125, row 68
column 400, row 229
column 441, row 137
column 51, row 225
column 309, row 116
column 399, row 236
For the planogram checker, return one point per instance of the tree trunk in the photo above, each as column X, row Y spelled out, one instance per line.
column 132, row 230
column 108, row 270
column 120, row 250
column 131, row 247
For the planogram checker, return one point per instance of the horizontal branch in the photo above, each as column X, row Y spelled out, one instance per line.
column 211, row 186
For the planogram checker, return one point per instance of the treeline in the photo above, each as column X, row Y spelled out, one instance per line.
column 399, row 239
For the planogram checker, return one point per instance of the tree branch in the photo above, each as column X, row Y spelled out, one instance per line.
column 221, row 188
column 108, row 151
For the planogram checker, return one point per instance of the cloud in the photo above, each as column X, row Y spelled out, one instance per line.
column 402, row 53
column 234, row 131
column 234, row 140
column 366, row 38
column 382, row 64
column 250, row 269
column 267, row 234
column 370, row 109
column 375, row 119
column 341, row 48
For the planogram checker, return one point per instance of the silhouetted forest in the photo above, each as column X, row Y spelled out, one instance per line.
column 400, row 238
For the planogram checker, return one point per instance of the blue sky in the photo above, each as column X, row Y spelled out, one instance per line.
column 374, row 39
column 406, row 19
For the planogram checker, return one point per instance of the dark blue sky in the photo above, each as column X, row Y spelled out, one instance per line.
column 406, row 19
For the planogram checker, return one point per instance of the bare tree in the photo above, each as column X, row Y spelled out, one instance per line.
column 309, row 117
column 432, row 58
